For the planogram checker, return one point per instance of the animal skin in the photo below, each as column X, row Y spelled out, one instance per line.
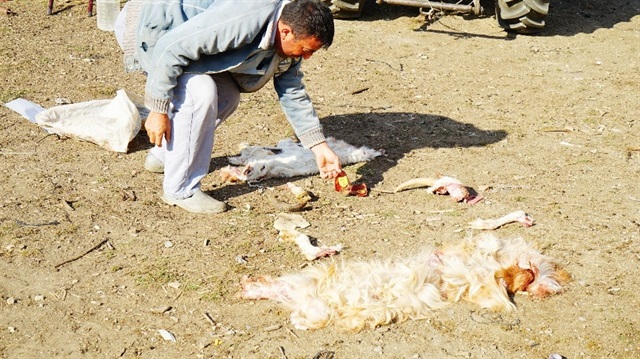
column 288, row 159
column 484, row 270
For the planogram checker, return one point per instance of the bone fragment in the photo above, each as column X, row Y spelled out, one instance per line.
column 309, row 251
column 415, row 183
column 287, row 223
column 517, row 216
column 290, row 221
column 166, row 335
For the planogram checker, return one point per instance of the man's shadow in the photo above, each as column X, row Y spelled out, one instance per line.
column 397, row 133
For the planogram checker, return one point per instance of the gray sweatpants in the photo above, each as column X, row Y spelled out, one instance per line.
column 200, row 103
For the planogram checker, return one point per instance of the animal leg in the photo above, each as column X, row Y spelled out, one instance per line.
column 517, row 216
column 282, row 172
column 263, row 287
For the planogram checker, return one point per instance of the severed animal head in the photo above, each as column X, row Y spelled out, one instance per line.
column 530, row 271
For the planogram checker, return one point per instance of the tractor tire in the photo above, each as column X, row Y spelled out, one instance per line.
column 522, row 16
column 345, row 9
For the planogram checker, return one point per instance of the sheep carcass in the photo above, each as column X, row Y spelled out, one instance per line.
column 288, row 159
column 484, row 270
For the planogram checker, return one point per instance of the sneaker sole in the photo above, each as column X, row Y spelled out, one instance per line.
column 175, row 204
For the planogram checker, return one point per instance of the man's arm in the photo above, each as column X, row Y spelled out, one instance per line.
column 300, row 113
column 297, row 106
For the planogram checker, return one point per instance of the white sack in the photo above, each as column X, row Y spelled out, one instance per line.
column 111, row 124
column 26, row 108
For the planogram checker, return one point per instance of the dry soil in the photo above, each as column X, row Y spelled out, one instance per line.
column 547, row 124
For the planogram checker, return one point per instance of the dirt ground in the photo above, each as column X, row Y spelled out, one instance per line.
column 547, row 124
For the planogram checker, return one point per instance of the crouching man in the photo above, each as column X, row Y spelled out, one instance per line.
column 198, row 56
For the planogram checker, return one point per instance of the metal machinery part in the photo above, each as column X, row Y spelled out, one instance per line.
column 520, row 16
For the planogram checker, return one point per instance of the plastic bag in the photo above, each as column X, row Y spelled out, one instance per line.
column 111, row 124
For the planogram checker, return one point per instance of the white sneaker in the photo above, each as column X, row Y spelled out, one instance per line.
column 198, row 203
column 153, row 164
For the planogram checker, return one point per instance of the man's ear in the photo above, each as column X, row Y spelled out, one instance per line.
column 284, row 30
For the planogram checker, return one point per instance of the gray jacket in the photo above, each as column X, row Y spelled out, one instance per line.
column 166, row 38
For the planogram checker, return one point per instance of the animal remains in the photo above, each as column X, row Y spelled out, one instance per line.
column 286, row 224
column 484, row 270
column 442, row 185
column 517, row 216
column 288, row 159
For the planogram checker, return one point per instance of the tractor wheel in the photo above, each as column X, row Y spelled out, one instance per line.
column 522, row 16
column 346, row 9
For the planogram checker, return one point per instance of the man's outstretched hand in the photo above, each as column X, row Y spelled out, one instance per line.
column 327, row 160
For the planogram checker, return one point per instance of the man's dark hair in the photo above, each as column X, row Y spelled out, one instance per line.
column 309, row 18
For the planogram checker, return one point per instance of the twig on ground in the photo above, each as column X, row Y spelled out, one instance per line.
column 6, row 11
column 17, row 153
column 293, row 333
column 67, row 204
column 24, row 224
column 550, row 129
column 47, row 135
column 442, row 211
column 386, row 63
column 359, row 91
column 209, row 319
column 324, row 354
column 382, row 190
column 83, row 254
column 272, row 328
